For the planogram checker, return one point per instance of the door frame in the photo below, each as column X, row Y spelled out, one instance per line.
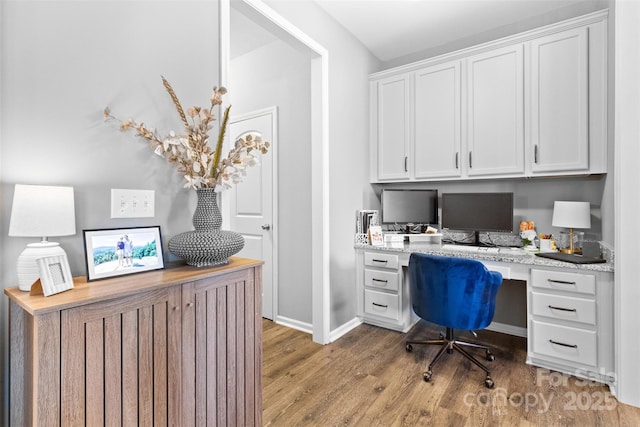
column 320, row 224
column 273, row 150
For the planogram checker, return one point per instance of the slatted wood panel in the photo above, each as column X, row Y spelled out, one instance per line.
column 34, row 380
column 221, row 329
column 116, row 360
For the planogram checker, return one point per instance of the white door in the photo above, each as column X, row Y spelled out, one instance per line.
column 251, row 203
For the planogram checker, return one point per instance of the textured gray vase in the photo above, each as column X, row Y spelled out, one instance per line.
column 207, row 245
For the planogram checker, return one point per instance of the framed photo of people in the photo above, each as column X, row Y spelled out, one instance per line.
column 120, row 251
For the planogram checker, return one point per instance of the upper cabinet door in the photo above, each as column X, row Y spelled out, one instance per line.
column 393, row 110
column 437, row 122
column 495, row 113
column 560, row 102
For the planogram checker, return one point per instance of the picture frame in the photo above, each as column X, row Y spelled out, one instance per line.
column 375, row 235
column 113, row 252
column 55, row 274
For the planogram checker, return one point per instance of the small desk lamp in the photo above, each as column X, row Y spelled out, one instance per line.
column 40, row 211
column 571, row 215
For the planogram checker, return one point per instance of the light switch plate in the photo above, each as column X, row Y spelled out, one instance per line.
column 132, row 203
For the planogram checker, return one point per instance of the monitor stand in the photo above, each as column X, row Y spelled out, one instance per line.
column 413, row 228
column 475, row 242
column 476, row 238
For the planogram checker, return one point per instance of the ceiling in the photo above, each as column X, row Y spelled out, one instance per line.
column 393, row 29
column 396, row 28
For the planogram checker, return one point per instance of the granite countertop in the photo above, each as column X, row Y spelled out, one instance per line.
column 510, row 255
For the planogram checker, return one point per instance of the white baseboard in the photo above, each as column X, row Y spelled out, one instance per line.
column 507, row 329
column 308, row 328
column 294, row 324
column 344, row 329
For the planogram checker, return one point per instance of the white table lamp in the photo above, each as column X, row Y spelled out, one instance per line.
column 571, row 215
column 40, row 211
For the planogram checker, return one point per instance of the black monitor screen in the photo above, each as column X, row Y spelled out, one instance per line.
column 478, row 211
column 409, row 206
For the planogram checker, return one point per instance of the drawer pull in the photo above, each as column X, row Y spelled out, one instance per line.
column 563, row 344
column 562, row 282
column 562, row 308
column 380, row 280
column 380, row 260
column 380, row 305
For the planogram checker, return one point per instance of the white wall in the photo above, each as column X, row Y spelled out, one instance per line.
column 62, row 63
column 349, row 66
column 627, row 127
column 279, row 75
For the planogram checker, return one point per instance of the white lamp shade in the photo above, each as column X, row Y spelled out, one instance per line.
column 42, row 211
column 571, row 214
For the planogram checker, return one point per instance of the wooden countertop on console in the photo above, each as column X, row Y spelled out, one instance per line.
column 85, row 292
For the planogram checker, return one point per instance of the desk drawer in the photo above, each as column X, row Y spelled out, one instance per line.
column 381, row 279
column 563, row 342
column 382, row 304
column 381, row 260
column 562, row 307
column 559, row 280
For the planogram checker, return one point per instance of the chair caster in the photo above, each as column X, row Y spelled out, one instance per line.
column 490, row 357
column 450, row 351
column 427, row 376
column 408, row 347
column 488, row 382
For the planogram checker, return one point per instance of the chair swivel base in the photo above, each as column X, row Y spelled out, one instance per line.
column 449, row 343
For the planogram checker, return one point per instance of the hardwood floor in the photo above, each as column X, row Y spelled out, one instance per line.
column 366, row 378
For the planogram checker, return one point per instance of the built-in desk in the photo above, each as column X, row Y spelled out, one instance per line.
column 569, row 306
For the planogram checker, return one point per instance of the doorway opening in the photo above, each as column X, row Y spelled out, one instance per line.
column 316, row 223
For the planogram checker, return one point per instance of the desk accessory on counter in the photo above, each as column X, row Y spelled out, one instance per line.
column 572, row 258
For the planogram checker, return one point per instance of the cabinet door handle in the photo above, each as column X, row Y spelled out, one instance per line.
column 562, row 282
column 562, row 308
column 190, row 304
column 379, row 305
column 563, row 344
column 380, row 260
column 405, row 163
column 535, row 153
column 457, row 154
column 470, row 160
column 380, row 280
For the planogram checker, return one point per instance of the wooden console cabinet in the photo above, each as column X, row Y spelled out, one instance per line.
column 178, row 347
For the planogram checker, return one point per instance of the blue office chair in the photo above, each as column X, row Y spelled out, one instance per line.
column 457, row 293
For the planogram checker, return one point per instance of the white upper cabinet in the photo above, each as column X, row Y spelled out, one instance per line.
column 533, row 104
column 495, row 113
column 436, row 148
column 560, row 92
column 392, row 127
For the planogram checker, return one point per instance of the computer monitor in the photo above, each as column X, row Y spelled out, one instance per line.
column 478, row 212
column 409, row 206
